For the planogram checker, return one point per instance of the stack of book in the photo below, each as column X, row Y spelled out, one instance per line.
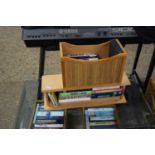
column 86, row 56
column 85, row 95
column 75, row 96
column 48, row 119
column 107, row 91
column 101, row 118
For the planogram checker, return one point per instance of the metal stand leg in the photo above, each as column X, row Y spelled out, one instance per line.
column 41, row 71
column 137, row 57
column 151, row 67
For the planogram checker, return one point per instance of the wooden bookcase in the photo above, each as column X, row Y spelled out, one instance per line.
column 53, row 83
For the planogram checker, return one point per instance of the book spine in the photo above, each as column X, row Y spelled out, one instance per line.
column 101, row 118
column 108, row 90
column 104, row 127
column 103, row 123
column 74, row 96
column 57, row 113
column 64, row 94
column 74, row 100
column 49, row 125
column 104, row 88
column 101, row 109
column 100, row 113
column 110, row 94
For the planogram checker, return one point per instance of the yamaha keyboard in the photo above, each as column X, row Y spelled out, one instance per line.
column 46, row 36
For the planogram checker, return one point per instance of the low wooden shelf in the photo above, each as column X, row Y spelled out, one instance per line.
column 53, row 83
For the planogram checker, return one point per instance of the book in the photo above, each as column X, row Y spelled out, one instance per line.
column 50, row 121
column 53, row 98
column 101, row 113
column 106, row 94
column 103, row 123
column 79, row 92
column 44, row 121
column 48, row 125
column 102, row 118
column 56, row 113
column 108, row 87
column 86, row 56
column 75, row 99
column 81, row 54
column 101, row 109
column 104, row 127
column 107, row 90
column 47, row 115
column 75, row 96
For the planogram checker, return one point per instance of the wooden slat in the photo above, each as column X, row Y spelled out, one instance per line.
column 78, row 73
column 52, row 83
column 92, row 103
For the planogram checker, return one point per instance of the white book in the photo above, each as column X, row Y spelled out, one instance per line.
column 102, row 123
column 51, row 98
column 42, row 113
column 101, row 109
column 100, row 118
column 48, row 125
column 104, row 88
column 56, row 113
column 75, row 100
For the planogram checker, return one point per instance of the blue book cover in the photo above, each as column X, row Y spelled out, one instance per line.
column 101, row 109
column 101, row 113
column 109, row 94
